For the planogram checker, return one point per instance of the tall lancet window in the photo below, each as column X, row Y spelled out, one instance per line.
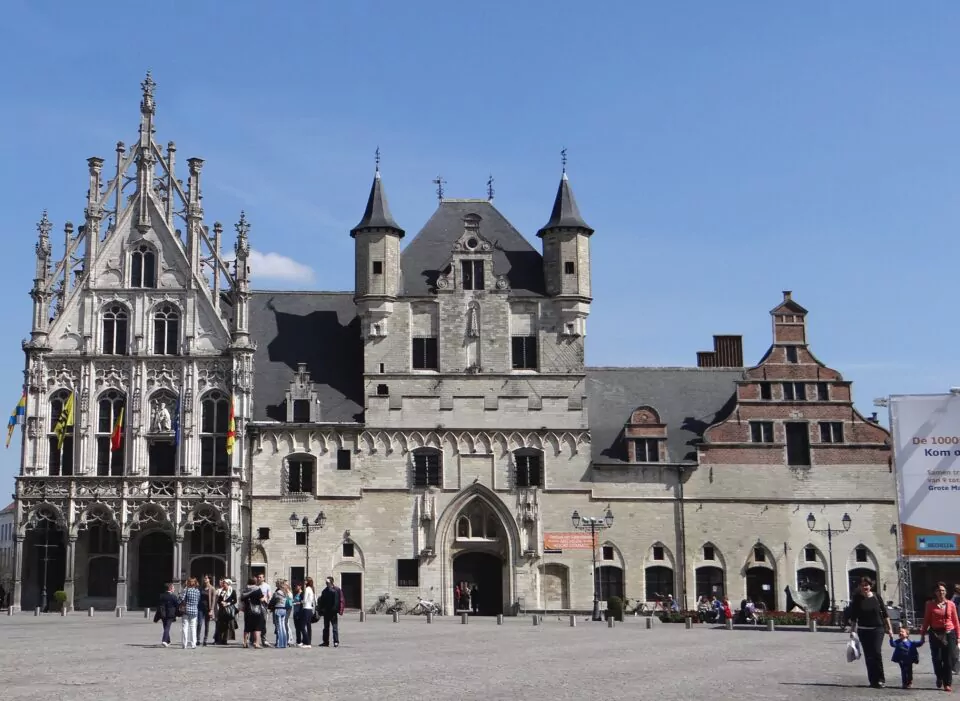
column 166, row 330
column 115, row 330
column 110, row 434
column 143, row 267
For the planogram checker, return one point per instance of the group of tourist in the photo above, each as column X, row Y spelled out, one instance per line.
column 869, row 622
column 197, row 605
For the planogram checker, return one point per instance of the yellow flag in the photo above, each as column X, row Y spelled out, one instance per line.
column 65, row 420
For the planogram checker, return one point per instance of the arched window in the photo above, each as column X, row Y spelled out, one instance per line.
column 111, row 430
column 61, row 454
column 427, row 468
column 478, row 522
column 143, row 267
column 115, row 330
column 529, row 467
column 214, row 417
column 166, row 330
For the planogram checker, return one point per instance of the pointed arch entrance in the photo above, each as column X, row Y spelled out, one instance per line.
column 478, row 544
column 155, row 566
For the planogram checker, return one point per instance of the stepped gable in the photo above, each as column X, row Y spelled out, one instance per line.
column 688, row 401
column 429, row 252
column 320, row 329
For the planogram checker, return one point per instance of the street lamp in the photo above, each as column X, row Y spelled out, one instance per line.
column 846, row 522
column 304, row 526
column 588, row 523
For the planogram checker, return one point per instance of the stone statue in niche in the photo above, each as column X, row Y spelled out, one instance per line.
column 473, row 322
column 160, row 420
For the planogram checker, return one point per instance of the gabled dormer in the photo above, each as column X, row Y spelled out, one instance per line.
column 471, row 265
column 645, row 437
column 301, row 398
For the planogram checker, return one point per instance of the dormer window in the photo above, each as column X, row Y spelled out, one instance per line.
column 472, row 271
column 301, row 398
column 646, row 450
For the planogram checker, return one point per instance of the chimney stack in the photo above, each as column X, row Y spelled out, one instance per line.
column 727, row 353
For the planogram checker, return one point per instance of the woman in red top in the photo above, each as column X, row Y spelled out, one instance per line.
column 940, row 618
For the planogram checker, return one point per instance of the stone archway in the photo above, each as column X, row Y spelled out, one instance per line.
column 483, row 572
column 154, row 566
column 477, row 521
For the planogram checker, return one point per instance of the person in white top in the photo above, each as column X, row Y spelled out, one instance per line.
column 267, row 593
column 309, row 604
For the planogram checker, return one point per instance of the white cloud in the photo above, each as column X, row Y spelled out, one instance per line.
column 274, row 266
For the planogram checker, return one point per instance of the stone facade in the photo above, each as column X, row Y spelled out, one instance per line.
column 435, row 425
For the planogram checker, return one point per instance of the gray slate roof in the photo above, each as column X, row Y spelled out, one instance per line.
column 565, row 214
column 320, row 329
column 429, row 252
column 687, row 399
column 377, row 214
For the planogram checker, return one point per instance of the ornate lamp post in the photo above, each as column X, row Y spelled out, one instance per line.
column 846, row 521
column 304, row 526
column 588, row 523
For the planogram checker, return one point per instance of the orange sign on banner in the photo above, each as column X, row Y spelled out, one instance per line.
column 567, row 541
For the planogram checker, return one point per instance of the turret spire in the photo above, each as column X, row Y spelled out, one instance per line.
column 565, row 214
column 377, row 214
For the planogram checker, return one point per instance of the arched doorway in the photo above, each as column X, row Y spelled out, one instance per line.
column 45, row 564
column 155, row 567
column 485, row 570
column 812, row 579
column 709, row 581
column 761, row 586
column 556, row 586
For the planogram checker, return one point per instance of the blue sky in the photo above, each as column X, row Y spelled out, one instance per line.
column 722, row 151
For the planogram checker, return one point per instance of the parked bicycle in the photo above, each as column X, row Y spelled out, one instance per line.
column 423, row 607
column 396, row 607
column 383, row 602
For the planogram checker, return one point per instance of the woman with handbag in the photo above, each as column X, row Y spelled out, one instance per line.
column 253, row 614
column 868, row 618
column 226, row 613
column 940, row 619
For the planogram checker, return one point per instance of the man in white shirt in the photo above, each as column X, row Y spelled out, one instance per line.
column 267, row 594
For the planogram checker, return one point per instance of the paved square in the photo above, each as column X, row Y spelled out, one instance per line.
column 106, row 658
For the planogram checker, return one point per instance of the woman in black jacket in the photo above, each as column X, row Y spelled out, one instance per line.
column 254, row 615
column 868, row 618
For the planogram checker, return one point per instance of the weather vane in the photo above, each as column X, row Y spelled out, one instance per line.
column 563, row 159
column 490, row 189
column 377, row 158
column 439, row 182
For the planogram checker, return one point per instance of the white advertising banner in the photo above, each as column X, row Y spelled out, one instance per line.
column 926, row 437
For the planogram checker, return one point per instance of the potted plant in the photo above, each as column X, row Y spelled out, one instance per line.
column 615, row 608
column 60, row 599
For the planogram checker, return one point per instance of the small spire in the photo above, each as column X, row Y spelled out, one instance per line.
column 376, row 172
column 377, row 213
column 439, row 182
column 563, row 161
column 148, row 86
column 565, row 214
column 242, row 226
column 490, row 190
column 44, row 227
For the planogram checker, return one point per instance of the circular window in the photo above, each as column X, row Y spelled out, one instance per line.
column 472, row 243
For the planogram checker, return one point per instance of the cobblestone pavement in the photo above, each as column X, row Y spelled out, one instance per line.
column 105, row 658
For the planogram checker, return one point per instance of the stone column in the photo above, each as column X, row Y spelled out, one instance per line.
column 122, row 568
column 15, row 602
column 177, row 560
column 68, row 581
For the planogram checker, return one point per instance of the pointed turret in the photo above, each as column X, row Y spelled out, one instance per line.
column 377, row 260
column 377, row 214
column 565, row 214
column 566, row 252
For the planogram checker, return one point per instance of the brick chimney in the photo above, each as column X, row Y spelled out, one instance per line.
column 727, row 353
column 789, row 322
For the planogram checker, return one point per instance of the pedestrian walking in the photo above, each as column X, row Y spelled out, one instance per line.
column 905, row 654
column 166, row 613
column 189, row 602
column 940, row 620
column 868, row 619
column 331, row 606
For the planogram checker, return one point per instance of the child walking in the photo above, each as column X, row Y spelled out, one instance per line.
column 905, row 654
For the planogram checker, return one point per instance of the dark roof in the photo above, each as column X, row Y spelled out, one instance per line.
column 429, row 252
column 377, row 214
column 320, row 329
column 565, row 214
column 688, row 400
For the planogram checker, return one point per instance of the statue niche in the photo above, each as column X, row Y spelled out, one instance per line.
column 162, row 447
column 161, row 420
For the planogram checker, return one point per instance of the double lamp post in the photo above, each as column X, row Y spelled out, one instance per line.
column 846, row 521
column 588, row 523
column 304, row 526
